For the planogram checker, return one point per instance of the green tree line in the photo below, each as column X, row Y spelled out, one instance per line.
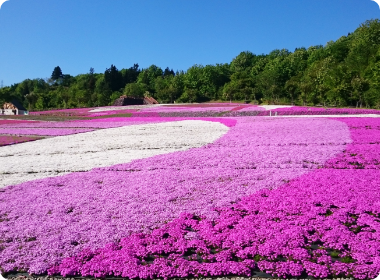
column 341, row 73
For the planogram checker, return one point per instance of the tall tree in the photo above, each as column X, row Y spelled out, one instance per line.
column 135, row 89
column 168, row 72
column 148, row 77
column 113, row 78
column 57, row 73
column 130, row 75
column 102, row 92
column 292, row 88
column 243, row 61
column 91, row 81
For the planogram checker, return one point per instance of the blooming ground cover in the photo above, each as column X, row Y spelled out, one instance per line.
column 201, row 110
column 64, row 112
column 180, row 197
column 14, row 139
column 84, row 151
column 41, row 131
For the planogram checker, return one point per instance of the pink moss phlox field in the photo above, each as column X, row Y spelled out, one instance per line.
column 324, row 111
column 325, row 223
column 296, row 110
column 108, row 113
column 191, row 111
column 43, row 131
column 9, row 139
column 82, row 112
column 146, row 114
column 47, row 220
column 250, row 108
column 204, row 110
column 163, row 109
column 63, row 112
column 201, row 105
column 246, row 108
column 17, row 122
column 94, row 123
column 363, row 153
column 141, row 120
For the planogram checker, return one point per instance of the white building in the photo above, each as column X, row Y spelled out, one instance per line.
column 13, row 108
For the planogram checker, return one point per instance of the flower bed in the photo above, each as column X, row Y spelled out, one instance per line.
column 11, row 139
column 63, row 112
column 199, row 105
column 84, row 151
column 322, row 224
column 15, row 122
column 42, row 131
column 296, row 110
column 164, row 197
column 299, row 147
column 95, row 123
column 203, row 110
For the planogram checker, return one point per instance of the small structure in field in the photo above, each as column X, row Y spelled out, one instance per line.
column 133, row 100
column 13, row 108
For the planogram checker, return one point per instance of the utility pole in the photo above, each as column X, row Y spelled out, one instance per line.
column 1, row 85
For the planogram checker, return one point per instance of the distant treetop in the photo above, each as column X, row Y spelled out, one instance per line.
column 57, row 73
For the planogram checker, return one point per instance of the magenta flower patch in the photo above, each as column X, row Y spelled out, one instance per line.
column 325, row 223
column 49, row 223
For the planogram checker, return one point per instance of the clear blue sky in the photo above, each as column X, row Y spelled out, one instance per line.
column 36, row 36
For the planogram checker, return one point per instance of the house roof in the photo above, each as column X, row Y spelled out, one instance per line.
column 150, row 100
column 18, row 105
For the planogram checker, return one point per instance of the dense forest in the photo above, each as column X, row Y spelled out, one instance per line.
column 341, row 73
